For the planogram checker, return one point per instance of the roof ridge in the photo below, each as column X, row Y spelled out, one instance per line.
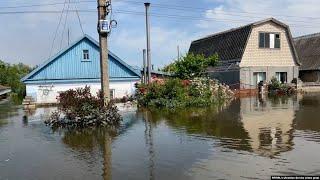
column 240, row 27
column 222, row 32
column 307, row 36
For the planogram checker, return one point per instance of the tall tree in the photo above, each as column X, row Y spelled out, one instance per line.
column 191, row 65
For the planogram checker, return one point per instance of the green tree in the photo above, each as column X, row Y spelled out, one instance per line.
column 10, row 75
column 191, row 65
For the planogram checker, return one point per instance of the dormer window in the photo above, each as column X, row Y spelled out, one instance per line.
column 86, row 54
column 269, row 40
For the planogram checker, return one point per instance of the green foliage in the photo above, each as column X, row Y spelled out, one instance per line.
column 191, row 66
column 79, row 108
column 276, row 87
column 10, row 75
column 175, row 93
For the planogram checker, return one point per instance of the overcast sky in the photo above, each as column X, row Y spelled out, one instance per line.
column 28, row 38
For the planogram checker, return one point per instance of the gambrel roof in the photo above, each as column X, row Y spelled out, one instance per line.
column 230, row 45
column 308, row 49
column 69, row 66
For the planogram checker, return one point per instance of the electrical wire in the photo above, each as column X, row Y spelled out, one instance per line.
column 56, row 31
column 79, row 19
column 65, row 23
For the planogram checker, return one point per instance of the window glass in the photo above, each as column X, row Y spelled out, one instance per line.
column 281, row 77
column 86, row 54
column 259, row 76
column 277, row 41
column 112, row 93
column 261, row 40
column 269, row 40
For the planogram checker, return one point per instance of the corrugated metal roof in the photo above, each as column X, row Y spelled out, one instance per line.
column 69, row 65
column 308, row 49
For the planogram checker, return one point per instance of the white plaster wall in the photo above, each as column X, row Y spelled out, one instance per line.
column 121, row 89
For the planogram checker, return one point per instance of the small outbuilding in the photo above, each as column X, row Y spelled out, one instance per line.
column 78, row 66
column 308, row 49
column 4, row 91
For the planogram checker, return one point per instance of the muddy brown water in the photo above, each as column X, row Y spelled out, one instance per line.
column 251, row 138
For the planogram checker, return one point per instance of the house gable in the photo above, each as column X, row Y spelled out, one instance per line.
column 255, row 56
column 69, row 66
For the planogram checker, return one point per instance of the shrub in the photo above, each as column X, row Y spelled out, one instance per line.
column 79, row 108
column 174, row 93
column 275, row 87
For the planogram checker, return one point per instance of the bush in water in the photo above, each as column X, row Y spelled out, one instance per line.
column 174, row 92
column 79, row 108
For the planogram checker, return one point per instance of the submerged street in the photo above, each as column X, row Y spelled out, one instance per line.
column 251, row 138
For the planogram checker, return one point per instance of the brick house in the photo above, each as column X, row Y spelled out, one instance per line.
column 251, row 53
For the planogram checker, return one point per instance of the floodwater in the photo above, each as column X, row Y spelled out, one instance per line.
column 251, row 138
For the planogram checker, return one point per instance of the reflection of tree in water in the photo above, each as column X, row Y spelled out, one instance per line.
column 216, row 122
column 7, row 109
column 307, row 116
column 250, row 124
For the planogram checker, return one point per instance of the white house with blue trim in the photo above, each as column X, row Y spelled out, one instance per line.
column 77, row 66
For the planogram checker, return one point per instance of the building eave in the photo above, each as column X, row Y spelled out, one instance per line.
column 93, row 80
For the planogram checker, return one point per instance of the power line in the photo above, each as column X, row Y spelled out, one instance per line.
column 193, row 8
column 44, row 4
column 159, row 15
column 56, row 31
column 65, row 23
column 167, row 6
column 79, row 19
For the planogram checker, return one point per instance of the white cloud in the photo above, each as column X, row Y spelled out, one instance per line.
column 164, row 44
column 291, row 12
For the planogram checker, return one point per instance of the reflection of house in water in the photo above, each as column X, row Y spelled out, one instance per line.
column 269, row 124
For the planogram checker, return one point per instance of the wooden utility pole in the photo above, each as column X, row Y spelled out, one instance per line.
column 103, row 41
column 144, row 79
column 147, row 5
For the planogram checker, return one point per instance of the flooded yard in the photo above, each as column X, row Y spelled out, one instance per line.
column 251, row 138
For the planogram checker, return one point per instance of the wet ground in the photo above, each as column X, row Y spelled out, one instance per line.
column 251, row 138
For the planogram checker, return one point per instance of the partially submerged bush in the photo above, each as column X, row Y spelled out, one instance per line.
column 276, row 87
column 174, row 92
column 79, row 108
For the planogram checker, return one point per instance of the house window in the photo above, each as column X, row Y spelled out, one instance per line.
column 269, row 40
column 259, row 76
column 112, row 93
column 281, row 77
column 86, row 54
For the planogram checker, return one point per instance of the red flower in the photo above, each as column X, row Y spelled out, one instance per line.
column 185, row 82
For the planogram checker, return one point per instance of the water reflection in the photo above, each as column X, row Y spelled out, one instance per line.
column 251, row 138
column 251, row 124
